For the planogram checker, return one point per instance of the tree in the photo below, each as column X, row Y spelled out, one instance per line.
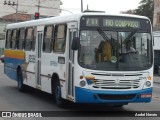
column 146, row 8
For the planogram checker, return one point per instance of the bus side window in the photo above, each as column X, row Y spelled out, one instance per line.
column 8, row 39
column 29, row 38
column 48, row 39
column 17, row 39
column 13, row 39
column 34, row 38
column 60, row 38
column 21, row 39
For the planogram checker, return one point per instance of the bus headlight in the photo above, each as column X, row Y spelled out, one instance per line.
column 148, row 83
column 82, row 83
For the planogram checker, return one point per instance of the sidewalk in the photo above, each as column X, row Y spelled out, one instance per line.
column 156, row 79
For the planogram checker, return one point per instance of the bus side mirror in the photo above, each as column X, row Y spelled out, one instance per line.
column 75, row 43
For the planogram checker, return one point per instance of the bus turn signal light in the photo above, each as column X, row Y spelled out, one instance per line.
column 89, row 77
column 149, row 77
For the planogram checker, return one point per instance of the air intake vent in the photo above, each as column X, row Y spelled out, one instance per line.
column 107, row 74
column 116, row 97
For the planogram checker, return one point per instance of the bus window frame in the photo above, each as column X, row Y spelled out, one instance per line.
column 15, row 46
column 55, row 38
column 23, row 43
column 52, row 38
column 34, row 38
column 29, row 40
column 6, row 41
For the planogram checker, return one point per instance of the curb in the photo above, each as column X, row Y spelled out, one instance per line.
column 156, row 82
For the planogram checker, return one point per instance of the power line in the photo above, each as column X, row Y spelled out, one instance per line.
column 12, row 4
column 28, row 8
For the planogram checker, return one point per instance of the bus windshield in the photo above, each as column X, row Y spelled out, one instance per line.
column 118, row 50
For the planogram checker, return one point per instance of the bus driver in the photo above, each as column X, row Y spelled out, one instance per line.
column 127, row 48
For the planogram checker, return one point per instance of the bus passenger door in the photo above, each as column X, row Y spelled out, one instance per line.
column 38, row 56
column 72, row 33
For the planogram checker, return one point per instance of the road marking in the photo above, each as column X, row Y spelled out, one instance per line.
column 156, row 87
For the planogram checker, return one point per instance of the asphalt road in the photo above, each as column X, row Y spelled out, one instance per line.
column 13, row 100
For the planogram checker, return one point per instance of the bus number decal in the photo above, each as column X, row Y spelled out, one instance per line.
column 53, row 63
column 32, row 58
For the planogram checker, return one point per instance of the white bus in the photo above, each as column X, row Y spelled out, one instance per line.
column 81, row 58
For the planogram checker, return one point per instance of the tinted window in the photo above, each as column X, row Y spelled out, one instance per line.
column 8, row 39
column 14, row 39
column 48, row 38
column 21, row 39
column 60, row 38
column 29, row 38
column 34, row 38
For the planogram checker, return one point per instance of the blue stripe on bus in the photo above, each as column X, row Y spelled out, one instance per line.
column 10, row 67
column 91, row 96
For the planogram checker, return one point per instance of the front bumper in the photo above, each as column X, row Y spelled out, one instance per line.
column 116, row 97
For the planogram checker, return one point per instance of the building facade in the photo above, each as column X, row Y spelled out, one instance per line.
column 47, row 7
column 156, row 16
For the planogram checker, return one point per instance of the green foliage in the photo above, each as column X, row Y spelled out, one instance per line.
column 146, row 8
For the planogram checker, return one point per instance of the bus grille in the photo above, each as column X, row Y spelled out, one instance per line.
column 117, row 84
column 116, row 97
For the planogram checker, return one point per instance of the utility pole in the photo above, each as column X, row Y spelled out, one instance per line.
column 17, row 11
column 87, row 7
column 13, row 4
column 38, row 5
column 81, row 5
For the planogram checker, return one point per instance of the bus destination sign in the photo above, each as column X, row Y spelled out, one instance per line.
column 121, row 23
column 92, row 22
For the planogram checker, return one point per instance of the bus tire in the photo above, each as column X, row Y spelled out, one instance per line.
column 56, row 90
column 21, row 86
column 118, row 106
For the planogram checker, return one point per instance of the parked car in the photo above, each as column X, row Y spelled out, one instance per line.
column 2, row 58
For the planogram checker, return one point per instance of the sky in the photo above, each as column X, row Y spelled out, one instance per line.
column 109, row 6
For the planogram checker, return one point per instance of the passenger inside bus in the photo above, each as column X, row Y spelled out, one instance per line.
column 127, row 48
column 107, row 51
column 124, row 53
column 103, row 53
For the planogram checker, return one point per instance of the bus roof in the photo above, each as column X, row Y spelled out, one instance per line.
column 64, row 19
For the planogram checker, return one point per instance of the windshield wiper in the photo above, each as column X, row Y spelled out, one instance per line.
column 130, row 35
column 103, row 34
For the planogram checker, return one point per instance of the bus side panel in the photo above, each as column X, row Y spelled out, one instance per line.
column 47, row 70
column 29, row 69
column 50, row 66
column 10, row 68
column 12, row 60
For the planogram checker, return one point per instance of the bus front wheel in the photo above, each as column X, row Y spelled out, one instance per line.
column 21, row 86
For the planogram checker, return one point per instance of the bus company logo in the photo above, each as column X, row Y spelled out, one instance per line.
column 31, row 58
column 117, row 81
column 21, row 114
column 6, row 114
